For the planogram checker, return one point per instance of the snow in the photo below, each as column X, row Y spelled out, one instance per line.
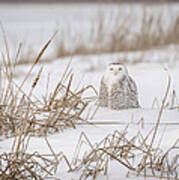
column 150, row 76
column 152, row 82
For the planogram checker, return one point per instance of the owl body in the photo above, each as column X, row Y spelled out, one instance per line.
column 118, row 90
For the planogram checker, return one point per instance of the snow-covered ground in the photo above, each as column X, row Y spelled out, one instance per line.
column 151, row 78
column 152, row 82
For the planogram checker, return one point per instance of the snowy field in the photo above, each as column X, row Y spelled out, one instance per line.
column 151, row 80
column 33, row 24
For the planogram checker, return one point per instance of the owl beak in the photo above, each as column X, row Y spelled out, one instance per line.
column 115, row 73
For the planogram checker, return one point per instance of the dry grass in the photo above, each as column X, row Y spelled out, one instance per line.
column 23, row 117
column 60, row 109
column 137, row 153
column 134, row 153
column 118, row 36
column 19, row 164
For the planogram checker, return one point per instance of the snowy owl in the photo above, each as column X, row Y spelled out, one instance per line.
column 117, row 89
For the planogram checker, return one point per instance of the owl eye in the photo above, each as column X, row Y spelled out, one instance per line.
column 111, row 69
column 119, row 69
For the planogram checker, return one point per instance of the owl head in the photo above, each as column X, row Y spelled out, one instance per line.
column 117, row 70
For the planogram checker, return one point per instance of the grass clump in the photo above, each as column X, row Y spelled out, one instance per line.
column 58, row 113
column 63, row 107
column 133, row 154
column 24, row 166
column 19, row 163
column 23, row 115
